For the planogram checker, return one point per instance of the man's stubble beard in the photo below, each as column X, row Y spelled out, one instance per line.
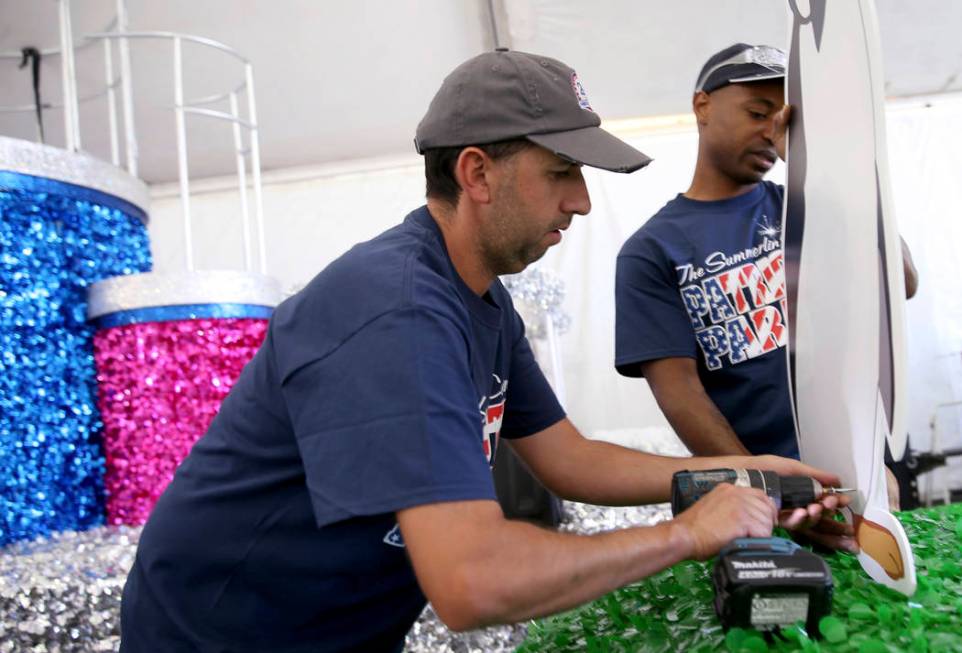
column 501, row 248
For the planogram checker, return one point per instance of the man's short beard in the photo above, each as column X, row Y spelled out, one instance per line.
column 497, row 250
column 501, row 261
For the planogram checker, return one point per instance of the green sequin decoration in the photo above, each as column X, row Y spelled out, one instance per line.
column 860, row 611
column 673, row 610
column 832, row 629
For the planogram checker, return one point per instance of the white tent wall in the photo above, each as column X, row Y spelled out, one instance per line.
column 312, row 215
column 641, row 57
column 345, row 80
column 315, row 214
column 925, row 160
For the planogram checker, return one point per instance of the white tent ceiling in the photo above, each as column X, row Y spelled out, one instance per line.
column 347, row 80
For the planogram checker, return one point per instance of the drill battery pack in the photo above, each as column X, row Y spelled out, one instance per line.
column 765, row 583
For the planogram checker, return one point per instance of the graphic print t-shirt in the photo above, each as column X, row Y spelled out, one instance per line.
column 384, row 384
column 706, row 280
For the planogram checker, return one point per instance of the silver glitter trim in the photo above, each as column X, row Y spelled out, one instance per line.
column 77, row 168
column 153, row 289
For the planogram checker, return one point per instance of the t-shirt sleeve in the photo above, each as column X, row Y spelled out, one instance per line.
column 651, row 321
column 389, row 419
column 532, row 405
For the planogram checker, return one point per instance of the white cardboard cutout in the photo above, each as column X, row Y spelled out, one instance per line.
column 844, row 271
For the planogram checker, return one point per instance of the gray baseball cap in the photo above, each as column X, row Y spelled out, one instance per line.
column 504, row 95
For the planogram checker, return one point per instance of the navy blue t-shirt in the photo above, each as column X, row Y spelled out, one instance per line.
column 384, row 384
column 705, row 280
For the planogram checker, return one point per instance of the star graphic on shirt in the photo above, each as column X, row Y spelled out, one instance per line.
column 767, row 229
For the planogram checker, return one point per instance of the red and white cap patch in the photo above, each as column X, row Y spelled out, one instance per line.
column 580, row 92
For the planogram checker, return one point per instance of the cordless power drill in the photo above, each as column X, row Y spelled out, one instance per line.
column 764, row 583
column 786, row 491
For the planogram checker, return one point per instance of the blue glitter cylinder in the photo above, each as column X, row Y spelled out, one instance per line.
column 56, row 239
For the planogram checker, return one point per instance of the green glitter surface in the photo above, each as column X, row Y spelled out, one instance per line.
column 673, row 610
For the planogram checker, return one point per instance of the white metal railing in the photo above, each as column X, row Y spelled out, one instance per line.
column 937, row 448
column 953, row 365
column 244, row 155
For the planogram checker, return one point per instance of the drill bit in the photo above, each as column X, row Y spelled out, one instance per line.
column 799, row 491
column 821, row 491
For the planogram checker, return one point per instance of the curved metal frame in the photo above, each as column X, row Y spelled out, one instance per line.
column 117, row 31
column 24, row 108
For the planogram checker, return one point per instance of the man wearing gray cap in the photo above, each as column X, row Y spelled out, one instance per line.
column 346, row 477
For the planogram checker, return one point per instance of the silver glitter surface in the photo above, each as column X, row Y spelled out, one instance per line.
column 429, row 635
column 29, row 158
column 538, row 295
column 169, row 289
column 62, row 594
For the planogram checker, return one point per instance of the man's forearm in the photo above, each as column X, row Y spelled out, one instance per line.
column 602, row 473
column 477, row 568
column 490, row 570
column 564, row 570
column 691, row 412
column 699, row 424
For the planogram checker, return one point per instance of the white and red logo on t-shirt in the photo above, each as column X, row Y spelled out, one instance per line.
column 492, row 414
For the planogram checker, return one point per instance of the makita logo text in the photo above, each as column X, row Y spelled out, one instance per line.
column 757, row 564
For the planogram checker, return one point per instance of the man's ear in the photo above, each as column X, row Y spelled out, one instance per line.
column 701, row 106
column 472, row 171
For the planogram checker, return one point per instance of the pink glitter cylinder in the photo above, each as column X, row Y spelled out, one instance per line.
column 159, row 386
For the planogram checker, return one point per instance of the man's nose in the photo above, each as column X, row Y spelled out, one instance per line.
column 577, row 200
column 769, row 128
